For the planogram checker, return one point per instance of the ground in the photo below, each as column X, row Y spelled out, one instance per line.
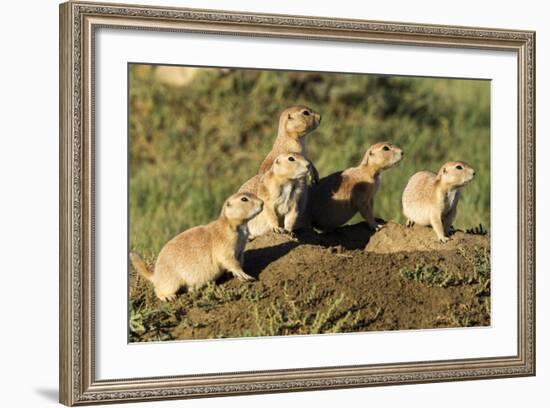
column 349, row 280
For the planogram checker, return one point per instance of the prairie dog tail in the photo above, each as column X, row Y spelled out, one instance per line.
column 140, row 266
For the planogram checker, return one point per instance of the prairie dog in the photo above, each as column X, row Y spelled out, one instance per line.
column 338, row 197
column 294, row 124
column 201, row 254
column 280, row 191
column 432, row 199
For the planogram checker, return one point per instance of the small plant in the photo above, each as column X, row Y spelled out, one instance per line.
column 287, row 316
column 479, row 230
column 482, row 265
column 480, row 260
column 214, row 295
column 326, row 319
column 137, row 328
column 147, row 324
column 459, row 317
column 432, row 276
column 463, row 315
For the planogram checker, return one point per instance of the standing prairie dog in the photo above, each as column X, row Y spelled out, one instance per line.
column 431, row 199
column 280, row 192
column 201, row 254
column 338, row 197
column 294, row 124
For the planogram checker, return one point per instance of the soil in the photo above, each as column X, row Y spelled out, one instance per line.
column 346, row 281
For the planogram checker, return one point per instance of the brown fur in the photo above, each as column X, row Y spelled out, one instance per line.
column 201, row 254
column 432, row 199
column 280, row 192
column 338, row 197
column 292, row 130
column 294, row 125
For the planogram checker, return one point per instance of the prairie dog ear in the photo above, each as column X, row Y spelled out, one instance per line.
column 366, row 156
column 444, row 170
column 289, row 117
column 277, row 161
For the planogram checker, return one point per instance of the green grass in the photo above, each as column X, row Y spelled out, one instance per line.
column 479, row 261
column 155, row 321
column 432, row 276
column 317, row 311
column 152, row 320
column 213, row 296
column 475, row 312
column 313, row 314
column 192, row 146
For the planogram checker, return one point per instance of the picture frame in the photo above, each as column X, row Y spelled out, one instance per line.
column 79, row 23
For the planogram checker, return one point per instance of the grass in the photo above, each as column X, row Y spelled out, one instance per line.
column 153, row 320
column 317, row 311
column 313, row 314
column 436, row 276
column 432, row 276
column 478, row 309
column 465, row 315
column 192, row 146
column 213, row 296
column 156, row 322
column 479, row 230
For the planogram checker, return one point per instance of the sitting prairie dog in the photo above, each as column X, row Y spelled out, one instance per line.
column 294, row 124
column 280, row 192
column 431, row 199
column 201, row 254
column 338, row 197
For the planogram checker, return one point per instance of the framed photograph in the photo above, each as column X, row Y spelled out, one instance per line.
column 256, row 203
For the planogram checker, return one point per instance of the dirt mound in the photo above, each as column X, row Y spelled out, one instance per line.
column 396, row 238
column 392, row 238
column 344, row 281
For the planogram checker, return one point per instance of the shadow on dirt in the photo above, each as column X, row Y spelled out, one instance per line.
column 256, row 260
column 349, row 237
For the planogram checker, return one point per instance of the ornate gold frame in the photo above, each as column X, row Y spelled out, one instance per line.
column 78, row 22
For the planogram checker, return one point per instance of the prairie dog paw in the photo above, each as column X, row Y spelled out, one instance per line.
column 290, row 234
column 245, row 277
column 167, row 298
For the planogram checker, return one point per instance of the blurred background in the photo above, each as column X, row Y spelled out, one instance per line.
column 197, row 134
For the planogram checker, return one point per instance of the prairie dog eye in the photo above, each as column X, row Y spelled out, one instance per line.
column 386, row 148
column 305, row 113
column 459, row 167
column 244, row 199
column 290, row 158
